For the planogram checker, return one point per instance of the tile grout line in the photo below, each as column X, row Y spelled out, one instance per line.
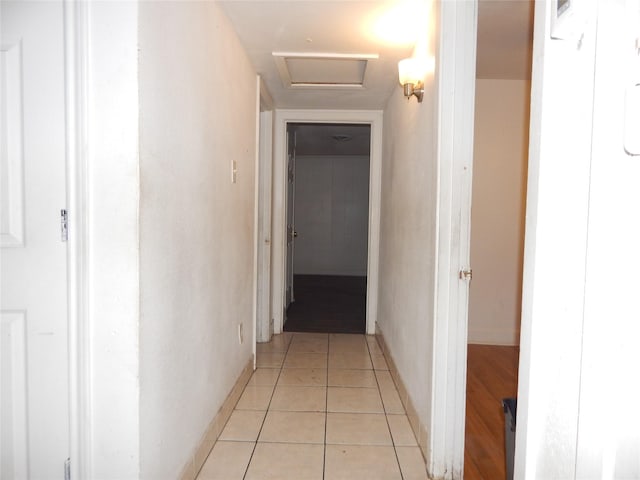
column 326, row 410
column 329, row 349
column 255, row 445
column 386, row 417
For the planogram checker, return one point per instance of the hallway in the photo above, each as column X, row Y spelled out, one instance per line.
column 319, row 406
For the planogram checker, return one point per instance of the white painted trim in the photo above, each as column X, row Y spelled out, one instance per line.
column 456, row 92
column 551, row 412
column 375, row 188
column 419, row 430
column 14, row 196
column 256, row 224
column 279, row 227
column 494, row 336
column 76, row 26
column 210, row 436
column 280, row 59
column 266, row 100
column 13, row 334
column 264, row 165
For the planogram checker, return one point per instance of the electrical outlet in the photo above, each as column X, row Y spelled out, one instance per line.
column 240, row 333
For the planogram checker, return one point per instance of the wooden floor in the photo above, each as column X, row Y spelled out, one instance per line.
column 491, row 376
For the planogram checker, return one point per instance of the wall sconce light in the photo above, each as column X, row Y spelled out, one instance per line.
column 411, row 73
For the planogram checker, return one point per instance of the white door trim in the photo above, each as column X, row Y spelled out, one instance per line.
column 76, row 26
column 279, row 227
column 456, row 93
column 262, row 328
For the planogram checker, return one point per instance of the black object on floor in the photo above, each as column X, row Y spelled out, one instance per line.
column 328, row 304
column 510, row 407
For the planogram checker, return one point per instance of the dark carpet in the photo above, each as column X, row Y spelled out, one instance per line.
column 328, row 304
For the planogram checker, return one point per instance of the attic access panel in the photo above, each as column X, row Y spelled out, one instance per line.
column 322, row 70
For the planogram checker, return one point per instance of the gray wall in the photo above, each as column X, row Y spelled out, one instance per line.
column 331, row 215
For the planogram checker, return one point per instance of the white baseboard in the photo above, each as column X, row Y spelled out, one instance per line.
column 418, row 428
column 487, row 336
column 193, row 466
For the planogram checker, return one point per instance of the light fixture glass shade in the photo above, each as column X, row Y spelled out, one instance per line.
column 411, row 70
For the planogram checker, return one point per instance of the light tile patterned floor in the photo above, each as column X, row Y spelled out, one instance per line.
column 319, row 407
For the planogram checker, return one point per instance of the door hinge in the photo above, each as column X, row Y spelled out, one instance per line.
column 67, row 469
column 64, row 232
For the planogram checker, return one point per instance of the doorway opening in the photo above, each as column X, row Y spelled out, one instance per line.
column 500, row 161
column 328, row 179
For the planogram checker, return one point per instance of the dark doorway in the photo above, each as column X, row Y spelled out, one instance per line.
column 328, row 303
column 328, row 219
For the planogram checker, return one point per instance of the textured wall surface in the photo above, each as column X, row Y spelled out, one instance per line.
column 197, row 116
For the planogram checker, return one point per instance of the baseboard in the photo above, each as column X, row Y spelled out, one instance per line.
column 193, row 466
column 486, row 336
column 419, row 430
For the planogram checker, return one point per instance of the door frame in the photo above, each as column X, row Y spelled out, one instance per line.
column 76, row 45
column 262, row 319
column 279, row 224
column 455, row 111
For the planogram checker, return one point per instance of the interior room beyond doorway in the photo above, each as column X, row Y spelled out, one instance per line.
column 327, row 221
column 500, row 171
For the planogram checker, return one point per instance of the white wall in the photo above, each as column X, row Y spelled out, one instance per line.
column 408, row 233
column 331, row 215
column 580, row 329
column 112, row 246
column 497, row 221
column 608, row 446
column 197, row 114
column 424, row 238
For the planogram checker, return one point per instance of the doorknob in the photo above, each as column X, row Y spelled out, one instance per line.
column 295, row 234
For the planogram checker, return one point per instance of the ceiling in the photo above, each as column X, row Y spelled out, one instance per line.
column 321, row 26
column 365, row 27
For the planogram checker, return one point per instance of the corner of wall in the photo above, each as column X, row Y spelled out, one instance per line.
column 417, row 426
column 217, row 424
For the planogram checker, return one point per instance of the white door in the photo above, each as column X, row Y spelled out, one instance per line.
column 264, row 172
column 34, row 404
column 291, row 228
